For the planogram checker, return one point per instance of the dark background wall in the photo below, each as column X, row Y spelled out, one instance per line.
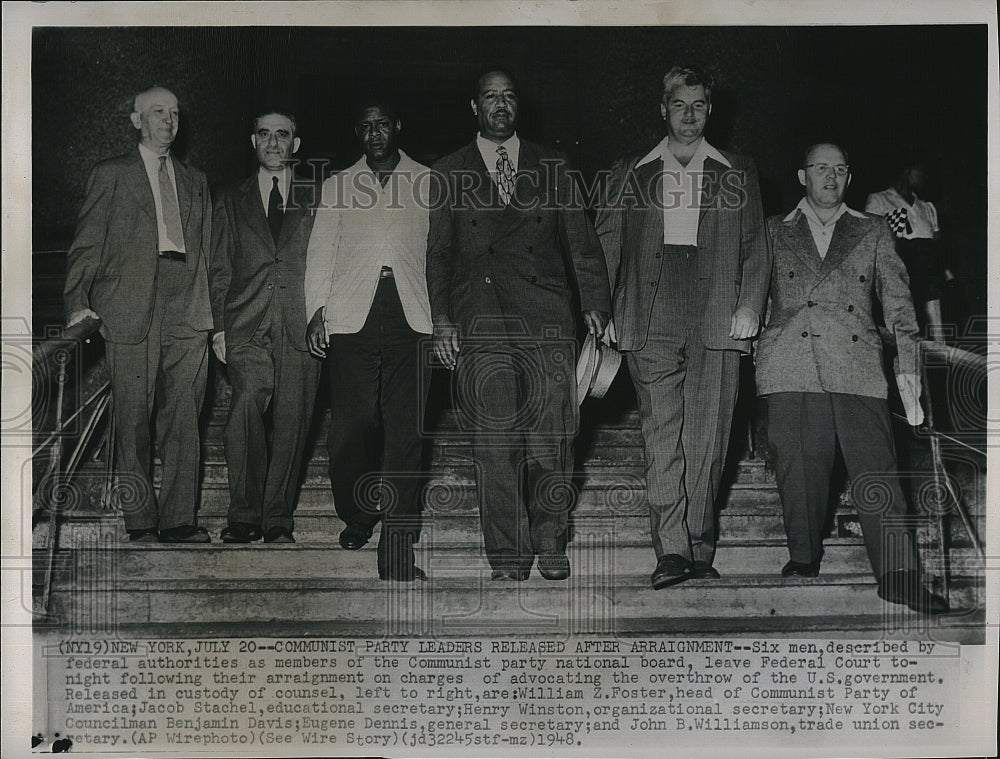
column 594, row 91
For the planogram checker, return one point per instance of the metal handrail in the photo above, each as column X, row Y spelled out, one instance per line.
column 953, row 357
column 46, row 350
column 58, row 349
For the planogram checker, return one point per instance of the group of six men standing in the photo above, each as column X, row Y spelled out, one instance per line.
column 492, row 257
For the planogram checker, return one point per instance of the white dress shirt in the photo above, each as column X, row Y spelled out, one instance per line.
column 361, row 227
column 488, row 150
column 822, row 231
column 265, row 183
column 151, row 161
column 682, row 190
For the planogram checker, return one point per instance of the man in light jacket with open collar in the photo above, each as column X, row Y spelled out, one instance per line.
column 366, row 298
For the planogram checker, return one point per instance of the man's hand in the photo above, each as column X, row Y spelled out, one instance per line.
column 446, row 343
column 219, row 346
column 611, row 333
column 78, row 316
column 745, row 324
column 316, row 338
column 909, row 394
column 597, row 322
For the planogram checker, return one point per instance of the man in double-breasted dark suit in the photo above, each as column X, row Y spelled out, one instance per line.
column 508, row 246
column 138, row 262
column 819, row 365
column 683, row 231
column 259, row 239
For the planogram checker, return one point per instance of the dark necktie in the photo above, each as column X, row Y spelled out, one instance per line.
column 505, row 175
column 168, row 204
column 275, row 213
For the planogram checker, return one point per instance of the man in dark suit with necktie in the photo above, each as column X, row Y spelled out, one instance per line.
column 260, row 233
column 683, row 231
column 138, row 263
column 508, row 243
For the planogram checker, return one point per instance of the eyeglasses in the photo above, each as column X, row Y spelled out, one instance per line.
column 840, row 169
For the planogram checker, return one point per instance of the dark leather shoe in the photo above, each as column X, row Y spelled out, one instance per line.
column 278, row 535
column 241, row 532
column 670, row 570
column 409, row 575
column 800, row 569
column 518, row 575
column 553, row 566
column 186, row 533
column 906, row 587
column 354, row 536
column 702, row 570
column 147, row 535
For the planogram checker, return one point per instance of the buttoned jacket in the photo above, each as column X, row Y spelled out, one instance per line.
column 249, row 270
column 821, row 335
column 526, row 264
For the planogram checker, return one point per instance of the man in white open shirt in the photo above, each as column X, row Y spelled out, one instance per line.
column 683, row 232
column 819, row 365
column 366, row 298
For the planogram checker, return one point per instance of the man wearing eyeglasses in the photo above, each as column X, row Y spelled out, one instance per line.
column 260, row 231
column 819, row 366
column 683, row 233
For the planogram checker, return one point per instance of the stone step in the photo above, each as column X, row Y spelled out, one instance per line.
column 456, row 456
column 322, row 527
column 442, row 418
column 592, row 558
column 597, row 494
column 469, row 605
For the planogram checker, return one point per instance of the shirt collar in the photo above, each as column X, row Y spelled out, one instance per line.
column 148, row 156
column 406, row 166
column 810, row 213
column 704, row 150
column 488, row 149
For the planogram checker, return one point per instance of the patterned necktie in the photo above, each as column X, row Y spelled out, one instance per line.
column 275, row 213
column 505, row 175
column 168, row 203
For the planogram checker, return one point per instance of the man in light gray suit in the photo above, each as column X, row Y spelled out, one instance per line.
column 683, row 233
column 819, row 365
column 138, row 263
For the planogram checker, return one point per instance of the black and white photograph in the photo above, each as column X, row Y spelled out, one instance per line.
column 570, row 379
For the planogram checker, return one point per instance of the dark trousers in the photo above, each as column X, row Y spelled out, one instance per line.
column 804, row 429
column 687, row 395
column 268, row 371
column 168, row 371
column 518, row 400
column 377, row 402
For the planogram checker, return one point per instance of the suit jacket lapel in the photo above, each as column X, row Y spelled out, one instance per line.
column 846, row 233
column 800, row 241
column 296, row 207
column 649, row 178
column 711, row 180
column 253, row 209
column 484, row 195
column 138, row 182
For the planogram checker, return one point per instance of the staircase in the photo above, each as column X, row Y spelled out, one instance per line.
column 103, row 584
